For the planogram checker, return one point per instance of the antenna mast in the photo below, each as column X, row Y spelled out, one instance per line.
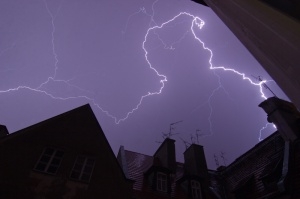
column 172, row 127
column 264, row 84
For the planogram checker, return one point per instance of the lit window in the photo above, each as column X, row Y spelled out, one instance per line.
column 161, row 182
column 196, row 189
column 49, row 161
column 83, row 168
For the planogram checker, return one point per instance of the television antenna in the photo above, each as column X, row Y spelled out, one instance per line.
column 264, row 84
column 187, row 144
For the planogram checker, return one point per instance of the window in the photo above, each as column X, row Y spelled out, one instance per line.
column 161, row 182
column 49, row 161
column 83, row 169
column 196, row 189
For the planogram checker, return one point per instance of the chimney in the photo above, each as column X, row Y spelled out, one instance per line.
column 166, row 154
column 284, row 115
column 3, row 131
column 194, row 161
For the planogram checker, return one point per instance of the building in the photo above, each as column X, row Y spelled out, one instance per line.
column 271, row 168
column 270, row 30
column 160, row 176
column 66, row 156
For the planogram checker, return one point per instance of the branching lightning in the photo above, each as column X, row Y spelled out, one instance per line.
column 263, row 128
column 196, row 23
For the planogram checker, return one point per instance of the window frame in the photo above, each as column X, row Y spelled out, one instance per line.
column 82, row 168
column 196, row 189
column 161, row 182
column 49, row 164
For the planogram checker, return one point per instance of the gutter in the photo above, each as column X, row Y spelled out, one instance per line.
column 285, row 167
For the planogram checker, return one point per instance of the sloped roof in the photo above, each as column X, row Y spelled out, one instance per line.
column 137, row 165
column 86, row 109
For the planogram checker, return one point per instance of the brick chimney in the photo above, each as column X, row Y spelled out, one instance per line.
column 3, row 131
column 165, row 154
column 284, row 115
column 195, row 162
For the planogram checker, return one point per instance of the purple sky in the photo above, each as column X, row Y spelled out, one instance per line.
column 56, row 55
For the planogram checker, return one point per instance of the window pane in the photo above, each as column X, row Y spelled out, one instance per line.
column 78, row 167
column 49, row 162
column 40, row 167
column 83, row 168
column 88, row 169
column 55, row 161
column 52, row 169
column 161, row 182
column 45, row 159
column 196, row 189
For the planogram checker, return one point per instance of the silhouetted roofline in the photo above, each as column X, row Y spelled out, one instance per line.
column 87, row 108
column 250, row 151
column 201, row 2
column 24, row 130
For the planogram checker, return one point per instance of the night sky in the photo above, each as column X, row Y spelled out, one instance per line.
column 56, row 55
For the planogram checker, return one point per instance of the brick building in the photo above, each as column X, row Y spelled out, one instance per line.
column 160, row 176
column 271, row 169
column 66, row 156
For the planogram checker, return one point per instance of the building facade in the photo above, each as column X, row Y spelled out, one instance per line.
column 271, row 169
column 160, row 176
column 66, row 156
column 270, row 30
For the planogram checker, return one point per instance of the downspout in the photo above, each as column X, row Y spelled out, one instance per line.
column 285, row 167
column 214, row 191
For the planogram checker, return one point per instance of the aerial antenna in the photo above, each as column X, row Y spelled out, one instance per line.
column 264, row 84
column 185, row 143
column 170, row 134
column 216, row 160
column 192, row 139
column 198, row 135
column 172, row 127
column 222, row 155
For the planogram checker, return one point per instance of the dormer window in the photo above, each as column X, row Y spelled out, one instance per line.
column 196, row 189
column 161, row 184
column 49, row 161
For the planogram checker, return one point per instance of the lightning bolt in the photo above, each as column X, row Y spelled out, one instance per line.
column 196, row 23
column 263, row 128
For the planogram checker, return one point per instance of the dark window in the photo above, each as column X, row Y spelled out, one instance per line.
column 196, row 189
column 83, row 168
column 161, row 182
column 49, row 161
